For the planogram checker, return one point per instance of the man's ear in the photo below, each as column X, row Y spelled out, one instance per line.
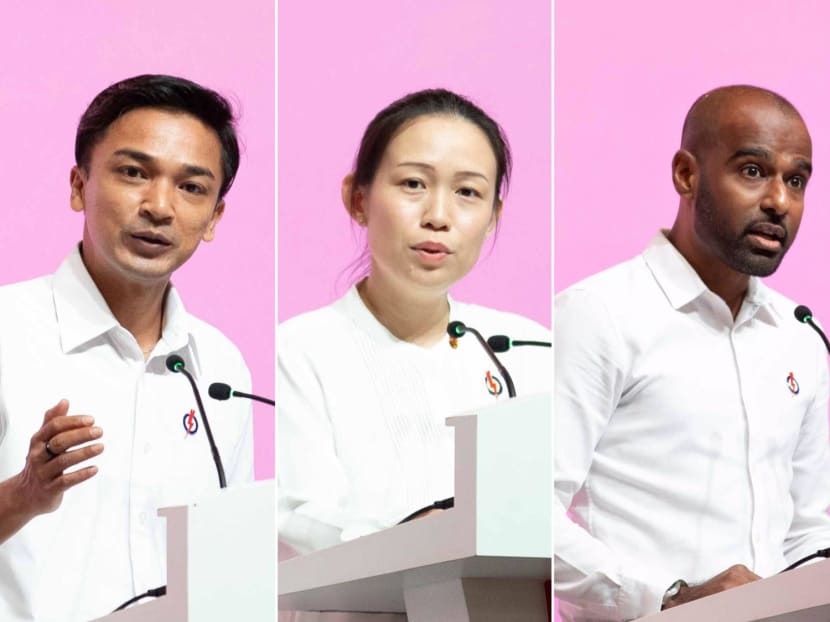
column 685, row 174
column 218, row 212
column 77, row 182
column 353, row 200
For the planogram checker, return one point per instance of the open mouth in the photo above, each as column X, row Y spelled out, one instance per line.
column 767, row 236
column 149, row 237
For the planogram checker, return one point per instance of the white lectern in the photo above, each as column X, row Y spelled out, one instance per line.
column 484, row 560
column 220, row 560
column 800, row 595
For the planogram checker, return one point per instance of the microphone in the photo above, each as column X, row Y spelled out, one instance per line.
column 458, row 329
column 175, row 363
column 803, row 314
column 221, row 391
column 502, row 343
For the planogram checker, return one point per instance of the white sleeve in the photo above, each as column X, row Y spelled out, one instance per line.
column 590, row 363
column 810, row 488
column 311, row 481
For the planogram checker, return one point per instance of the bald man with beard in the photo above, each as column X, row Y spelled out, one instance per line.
column 691, row 451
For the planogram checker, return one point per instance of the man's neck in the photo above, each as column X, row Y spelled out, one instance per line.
column 731, row 286
column 416, row 317
column 141, row 312
column 138, row 307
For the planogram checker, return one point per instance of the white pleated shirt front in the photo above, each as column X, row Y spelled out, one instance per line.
column 362, row 438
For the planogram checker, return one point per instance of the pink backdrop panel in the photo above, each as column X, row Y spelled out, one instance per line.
column 336, row 73
column 626, row 74
column 56, row 58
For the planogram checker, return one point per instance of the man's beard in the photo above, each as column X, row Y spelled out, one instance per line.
column 731, row 247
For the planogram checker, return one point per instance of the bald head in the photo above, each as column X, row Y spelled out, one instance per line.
column 711, row 111
column 741, row 173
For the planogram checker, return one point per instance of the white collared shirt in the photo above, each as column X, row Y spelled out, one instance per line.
column 685, row 442
column 106, row 543
column 362, row 435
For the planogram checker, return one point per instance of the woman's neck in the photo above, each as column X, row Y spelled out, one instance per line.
column 418, row 317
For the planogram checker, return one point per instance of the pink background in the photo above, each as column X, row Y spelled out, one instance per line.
column 336, row 72
column 56, row 57
column 625, row 75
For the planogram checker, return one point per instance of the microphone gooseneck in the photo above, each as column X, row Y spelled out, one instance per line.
column 221, row 391
column 458, row 329
column 175, row 363
column 820, row 553
column 803, row 314
column 153, row 593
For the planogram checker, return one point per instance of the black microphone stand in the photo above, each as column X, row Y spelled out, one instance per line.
column 175, row 363
column 803, row 314
column 459, row 329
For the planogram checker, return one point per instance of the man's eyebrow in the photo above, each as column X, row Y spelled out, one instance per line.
column 805, row 165
column 756, row 152
column 763, row 154
column 135, row 155
column 192, row 170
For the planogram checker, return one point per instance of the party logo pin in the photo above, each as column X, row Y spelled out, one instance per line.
column 493, row 384
column 792, row 384
column 190, row 423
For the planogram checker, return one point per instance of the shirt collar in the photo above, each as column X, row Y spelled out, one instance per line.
column 83, row 315
column 176, row 333
column 759, row 296
column 357, row 310
column 682, row 285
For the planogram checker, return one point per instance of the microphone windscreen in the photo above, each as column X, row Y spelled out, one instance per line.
column 219, row 391
column 456, row 329
column 499, row 343
column 174, row 363
column 803, row 313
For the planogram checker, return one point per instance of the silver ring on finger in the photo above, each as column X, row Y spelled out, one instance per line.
column 49, row 451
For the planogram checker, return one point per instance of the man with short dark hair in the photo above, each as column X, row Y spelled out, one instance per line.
column 80, row 485
column 691, row 407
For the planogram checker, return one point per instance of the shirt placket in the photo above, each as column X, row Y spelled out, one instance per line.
column 142, row 547
column 751, row 401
